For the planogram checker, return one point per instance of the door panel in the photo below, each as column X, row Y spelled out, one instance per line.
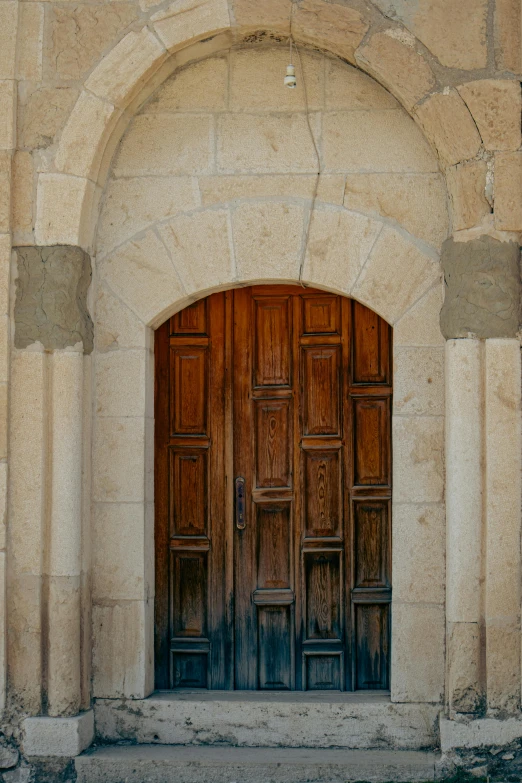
column 289, row 389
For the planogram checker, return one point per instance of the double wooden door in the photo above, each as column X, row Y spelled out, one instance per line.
column 273, row 491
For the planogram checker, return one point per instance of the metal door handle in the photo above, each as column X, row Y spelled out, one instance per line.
column 240, row 503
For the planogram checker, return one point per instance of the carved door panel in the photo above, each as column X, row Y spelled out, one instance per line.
column 273, row 493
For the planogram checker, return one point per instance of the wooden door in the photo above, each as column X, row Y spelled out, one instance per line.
column 282, row 396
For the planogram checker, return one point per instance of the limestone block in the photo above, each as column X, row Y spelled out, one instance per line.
column 417, row 677
column 419, row 544
column 256, row 81
column 64, row 737
column 200, row 248
column 467, row 192
column 455, row 34
column 482, row 288
column 391, row 57
column 166, row 144
column 63, row 654
column 418, row 381
column 269, row 15
column 137, row 202
column 507, row 35
column 8, row 28
column 127, row 66
column 508, row 187
column 5, row 191
column 120, row 383
column 28, row 418
column 338, row 245
column 449, row 126
column 349, row 88
column 142, row 275
column 203, row 86
column 503, row 666
column 464, row 488
column 123, row 648
column 82, row 141
column 267, row 240
column 66, row 399
column 31, row 21
column 5, row 264
column 184, row 21
column 43, row 112
column 465, row 686
column 335, row 27
column 7, row 114
column 418, row 464
column 469, row 733
column 64, row 210
column 4, row 394
column 225, row 188
column 51, row 297
column 420, row 324
column 115, row 325
column 22, row 197
column 118, row 461
column 119, row 552
column 3, row 504
column 3, row 629
column 265, row 143
column 396, row 274
column 380, row 140
column 80, row 33
column 495, row 105
column 503, row 485
column 415, row 201
column 24, row 641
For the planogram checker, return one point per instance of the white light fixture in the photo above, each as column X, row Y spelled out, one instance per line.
column 290, row 80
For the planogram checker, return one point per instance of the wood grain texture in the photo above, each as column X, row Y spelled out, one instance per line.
column 289, row 388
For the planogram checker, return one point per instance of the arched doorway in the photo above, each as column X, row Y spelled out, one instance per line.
column 273, row 493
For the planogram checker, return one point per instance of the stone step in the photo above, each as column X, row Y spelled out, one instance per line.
column 269, row 719
column 182, row 764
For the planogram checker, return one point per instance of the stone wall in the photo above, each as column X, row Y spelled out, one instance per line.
column 73, row 81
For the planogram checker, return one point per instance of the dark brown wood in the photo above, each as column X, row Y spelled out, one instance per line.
column 289, row 389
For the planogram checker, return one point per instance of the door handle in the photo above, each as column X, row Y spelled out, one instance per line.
column 240, row 503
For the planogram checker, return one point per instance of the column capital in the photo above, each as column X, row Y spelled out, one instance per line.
column 482, row 278
column 51, row 297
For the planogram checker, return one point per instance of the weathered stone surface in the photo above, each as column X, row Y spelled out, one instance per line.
column 267, row 240
column 495, row 105
column 51, row 296
column 42, row 113
column 22, row 196
column 467, row 192
column 58, row 736
column 8, row 756
column 201, row 87
column 79, row 33
column 507, row 35
column 418, row 381
column 454, row 32
column 269, row 15
column 466, row 691
column 508, row 190
column 5, row 191
column 418, row 634
column 7, row 114
column 415, row 201
column 394, row 61
column 419, row 539
column 420, row 324
column 349, row 88
column 29, row 60
column 418, row 463
column 449, row 127
column 184, row 21
column 482, row 288
column 64, row 210
column 8, row 27
column 336, row 27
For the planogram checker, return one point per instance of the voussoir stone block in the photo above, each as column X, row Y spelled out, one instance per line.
column 482, row 288
column 449, row 126
column 495, row 105
column 392, row 58
column 51, row 293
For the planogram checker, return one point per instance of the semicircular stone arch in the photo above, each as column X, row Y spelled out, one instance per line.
column 211, row 188
column 142, row 59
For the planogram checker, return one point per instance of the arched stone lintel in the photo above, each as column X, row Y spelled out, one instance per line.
column 140, row 61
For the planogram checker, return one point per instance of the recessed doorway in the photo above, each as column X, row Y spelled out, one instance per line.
column 273, row 493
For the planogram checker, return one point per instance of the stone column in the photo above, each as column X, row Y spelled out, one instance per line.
column 464, row 409
column 52, row 331
column 480, row 319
